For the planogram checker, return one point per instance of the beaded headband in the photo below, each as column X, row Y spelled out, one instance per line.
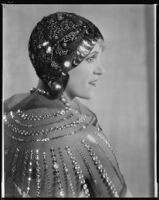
column 59, row 43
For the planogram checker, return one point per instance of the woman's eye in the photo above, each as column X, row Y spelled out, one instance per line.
column 90, row 59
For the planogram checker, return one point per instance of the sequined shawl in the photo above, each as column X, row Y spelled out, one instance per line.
column 53, row 152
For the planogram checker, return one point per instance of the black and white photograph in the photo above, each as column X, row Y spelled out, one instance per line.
column 78, row 101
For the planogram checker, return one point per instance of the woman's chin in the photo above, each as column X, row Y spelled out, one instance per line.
column 86, row 96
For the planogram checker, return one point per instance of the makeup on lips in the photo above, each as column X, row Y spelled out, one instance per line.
column 93, row 83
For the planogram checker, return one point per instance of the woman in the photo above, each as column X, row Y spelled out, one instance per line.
column 54, row 146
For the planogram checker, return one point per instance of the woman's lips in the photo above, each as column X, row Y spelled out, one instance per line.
column 94, row 82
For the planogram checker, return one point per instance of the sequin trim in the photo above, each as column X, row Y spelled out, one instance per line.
column 46, row 174
column 29, row 172
column 56, row 173
column 47, row 139
column 23, row 132
column 87, row 165
column 59, row 136
column 38, row 173
column 26, row 160
column 11, row 114
column 14, row 163
column 15, row 138
column 103, row 138
column 66, row 175
column 30, row 117
column 78, row 171
column 108, row 183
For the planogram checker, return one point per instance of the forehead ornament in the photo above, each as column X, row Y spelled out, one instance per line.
column 45, row 44
column 86, row 44
column 83, row 51
column 93, row 42
column 48, row 49
column 67, row 64
column 81, row 48
column 78, row 53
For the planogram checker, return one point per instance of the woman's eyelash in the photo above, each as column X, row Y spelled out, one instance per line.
column 91, row 59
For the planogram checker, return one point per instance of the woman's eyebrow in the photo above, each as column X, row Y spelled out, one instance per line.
column 93, row 53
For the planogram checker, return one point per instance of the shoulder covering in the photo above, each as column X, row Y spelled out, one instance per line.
column 58, row 153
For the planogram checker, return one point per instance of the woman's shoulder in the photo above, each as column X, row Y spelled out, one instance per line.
column 84, row 109
column 76, row 135
column 81, row 150
column 12, row 101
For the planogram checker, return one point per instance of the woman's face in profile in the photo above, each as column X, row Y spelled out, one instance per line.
column 84, row 78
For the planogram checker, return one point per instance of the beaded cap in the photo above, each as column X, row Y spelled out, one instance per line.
column 58, row 43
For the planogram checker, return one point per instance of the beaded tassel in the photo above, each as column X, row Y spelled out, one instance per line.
column 38, row 173
column 26, row 158
column 46, row 174
column 29, row 172
column 78, row 171
column 103, row 138
column 14, row 163
column 87, row 165
column 67, row 175
column 101, row 170
column 56, row 172
column 10, row 181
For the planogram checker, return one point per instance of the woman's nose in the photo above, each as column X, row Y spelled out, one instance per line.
column 99, row 70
